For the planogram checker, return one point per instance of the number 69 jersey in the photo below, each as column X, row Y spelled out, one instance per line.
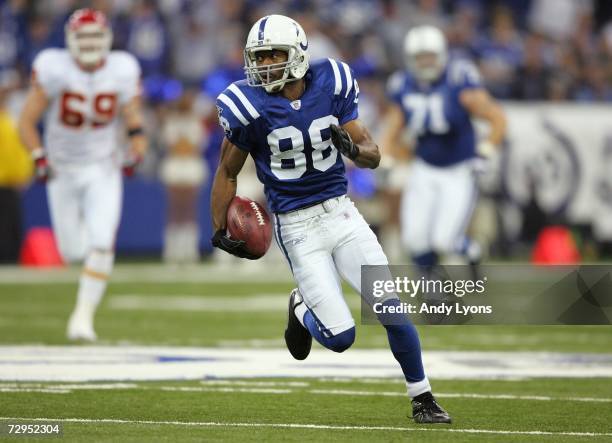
column 434, row 115
column 290, row 141
column 81, row 121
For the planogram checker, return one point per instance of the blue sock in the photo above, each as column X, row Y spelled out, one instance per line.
column 337, row 343
column 404, row 343
column 426, row 261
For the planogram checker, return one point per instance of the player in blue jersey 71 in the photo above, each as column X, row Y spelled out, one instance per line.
column 436, row 99
column 297, row 119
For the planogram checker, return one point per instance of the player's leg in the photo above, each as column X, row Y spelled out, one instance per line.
column 102, row 207
column 359, row 246
column 457, row 200
column 64, row 196
column 317, row 304
column 418, row 210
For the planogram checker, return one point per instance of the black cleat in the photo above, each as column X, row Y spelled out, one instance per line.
column 425, row 409
column 297, row 337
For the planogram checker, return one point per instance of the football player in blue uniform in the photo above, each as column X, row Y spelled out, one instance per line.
column 297, row 120
column 435, row 100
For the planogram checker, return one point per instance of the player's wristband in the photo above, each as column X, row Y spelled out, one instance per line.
column 486, row 149
column 135, row 131
column 38, row 153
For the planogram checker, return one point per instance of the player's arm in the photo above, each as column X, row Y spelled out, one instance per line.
column 479, row 103
column 133, row 118
column 354, row 141
column 35, row 105
column 392, row 145
column 226, row 178
column 223, row 190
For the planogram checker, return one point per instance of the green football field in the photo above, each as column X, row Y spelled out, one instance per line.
column 197, row 354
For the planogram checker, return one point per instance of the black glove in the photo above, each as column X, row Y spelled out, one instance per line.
column 235, row 247
column 343, row 143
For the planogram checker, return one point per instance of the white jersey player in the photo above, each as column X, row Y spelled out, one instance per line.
column 83, row 90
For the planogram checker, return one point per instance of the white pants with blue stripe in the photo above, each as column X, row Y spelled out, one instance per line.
column 437, row 206
column 324, row 244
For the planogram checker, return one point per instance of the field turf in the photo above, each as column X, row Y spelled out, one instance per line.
column 240, row 313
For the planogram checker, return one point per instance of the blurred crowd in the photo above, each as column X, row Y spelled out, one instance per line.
column 526, row 49
column 190, row 50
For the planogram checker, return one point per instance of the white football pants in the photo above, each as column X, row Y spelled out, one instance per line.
column 437, row 206
column 85, row 207
column 324, row 243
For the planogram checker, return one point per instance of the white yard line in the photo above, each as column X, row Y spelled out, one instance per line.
column 375, row 381
column 293, row 384
column 82, row 386
column 264, row 387
column 460, row 395
column 37, row 390
column 243, row 271
column 524, row 397
column 256, row 302
column 123, row 364
column 306, row 426
column 96, row 386
column 228, row 390
column 238, row 271
column 380, row 393
column 180, row 302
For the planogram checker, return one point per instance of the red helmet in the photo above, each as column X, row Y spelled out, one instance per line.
column 88, row 37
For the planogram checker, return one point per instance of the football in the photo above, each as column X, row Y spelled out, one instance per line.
column 248, row 221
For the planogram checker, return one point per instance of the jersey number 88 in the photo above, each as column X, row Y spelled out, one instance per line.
column 288, row 159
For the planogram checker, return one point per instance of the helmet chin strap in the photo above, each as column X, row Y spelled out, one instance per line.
column 278, row 85
column 274, row 88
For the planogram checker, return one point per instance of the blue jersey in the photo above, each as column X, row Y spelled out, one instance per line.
column 290, row 141
column 441, row 125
